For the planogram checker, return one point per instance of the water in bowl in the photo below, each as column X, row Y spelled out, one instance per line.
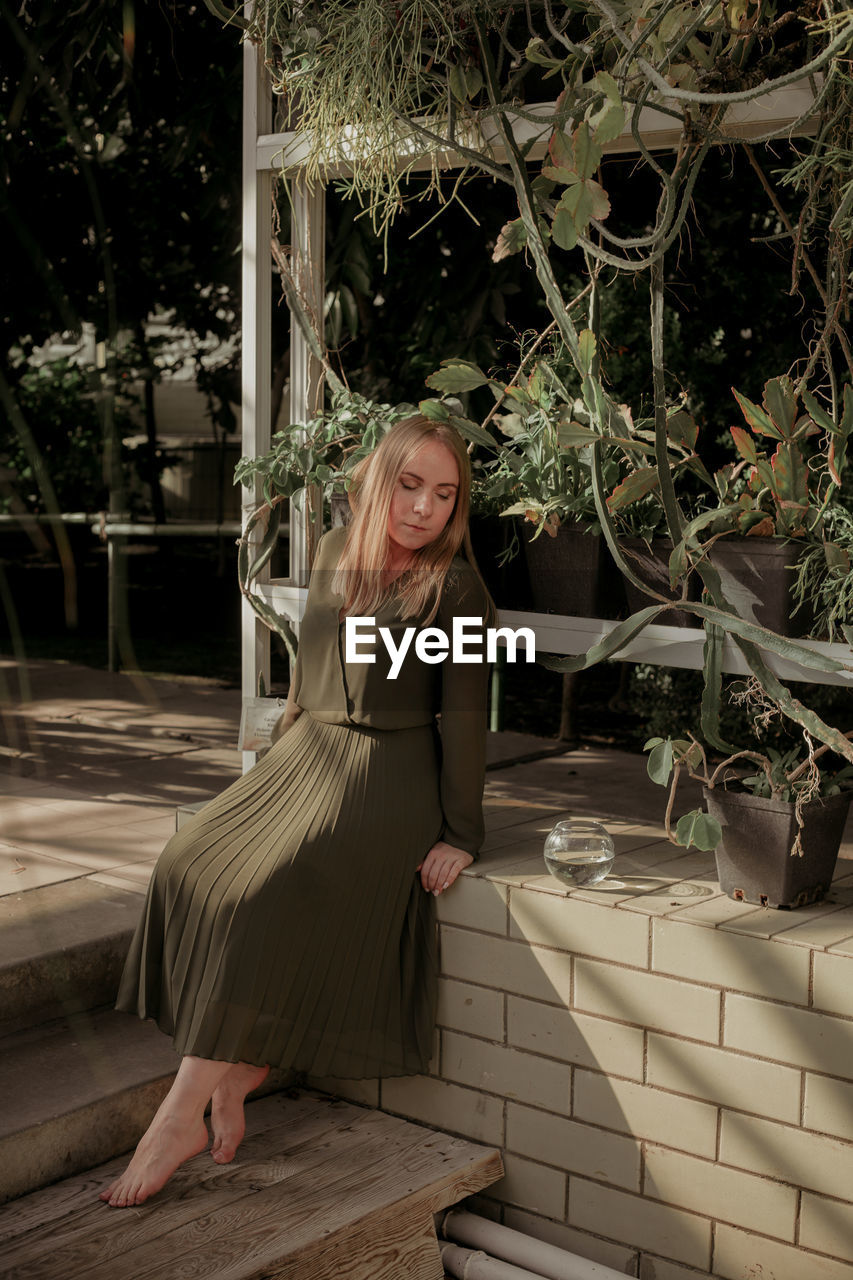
column 579, row 852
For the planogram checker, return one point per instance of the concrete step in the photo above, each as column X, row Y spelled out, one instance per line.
column 62, row 948
column 78, row 1092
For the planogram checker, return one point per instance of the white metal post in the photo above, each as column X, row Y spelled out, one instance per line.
column 257, row 338
column 308, row 240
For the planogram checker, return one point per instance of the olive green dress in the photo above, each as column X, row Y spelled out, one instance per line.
column 286, row 923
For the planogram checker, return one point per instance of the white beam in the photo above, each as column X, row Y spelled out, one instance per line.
column 256, row 327
column 308, row 240
column 776, row 113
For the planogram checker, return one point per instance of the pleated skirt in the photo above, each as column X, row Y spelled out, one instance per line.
column 286, row 924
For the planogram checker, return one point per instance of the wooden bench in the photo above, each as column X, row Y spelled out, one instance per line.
column 319, row 1190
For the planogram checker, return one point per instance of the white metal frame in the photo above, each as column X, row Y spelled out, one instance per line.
column 263, row 152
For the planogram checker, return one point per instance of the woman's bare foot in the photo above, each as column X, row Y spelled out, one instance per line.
column 168, row 1142
column 226, row 1110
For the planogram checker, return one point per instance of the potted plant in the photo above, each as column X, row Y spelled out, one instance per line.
column 541, row 477
column 771, row 508
column 774, row 818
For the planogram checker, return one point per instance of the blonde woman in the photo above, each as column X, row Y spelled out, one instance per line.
column 292, row 922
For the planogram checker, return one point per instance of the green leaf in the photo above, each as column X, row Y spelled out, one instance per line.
column 712, row 661
column 561, row 151
column 586, row 349
column 262, row 550
column 818, row 413
column 512, row 238
column 608, row 122
column 571, row 435
column 633, row 487
column 434, row 410
column 473, row 431
column 678, row 558
column 563, row 230
column 587, row 153
column 458, row 83
column 781, row 403
column 473, row 81
column 542, row 186
column 518, row 509
column 659, row 765
column 681, row 428
column 537, row 52
column 756, row 417
column 554, row 174
column 604, row 81
column 276, row 622
column 585, row 200
column 790, row 475
column 765, row 639
column 744, row 444
column 594, row 399
column 451, row 378
column 699, row 829
column 606, row 648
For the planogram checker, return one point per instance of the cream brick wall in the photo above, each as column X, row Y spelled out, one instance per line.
column 671, row 1086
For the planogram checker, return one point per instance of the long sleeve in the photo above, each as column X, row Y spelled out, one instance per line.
column 464, row 696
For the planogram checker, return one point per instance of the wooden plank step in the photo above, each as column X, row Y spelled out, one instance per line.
column 320, row 1190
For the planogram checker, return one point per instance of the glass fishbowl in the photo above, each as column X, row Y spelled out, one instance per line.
column 579, row 852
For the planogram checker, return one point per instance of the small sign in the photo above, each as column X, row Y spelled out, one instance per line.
column 259, row 718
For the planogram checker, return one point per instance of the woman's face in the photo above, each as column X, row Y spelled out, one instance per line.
column 424, row 498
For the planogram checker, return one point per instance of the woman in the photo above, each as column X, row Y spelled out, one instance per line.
column 286, row 924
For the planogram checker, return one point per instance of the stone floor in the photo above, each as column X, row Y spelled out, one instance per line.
column 93, row 766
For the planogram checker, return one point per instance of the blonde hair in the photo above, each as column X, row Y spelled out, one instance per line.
column 366, row 553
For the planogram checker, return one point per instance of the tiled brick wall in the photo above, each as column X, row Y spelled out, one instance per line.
column 671, row 1085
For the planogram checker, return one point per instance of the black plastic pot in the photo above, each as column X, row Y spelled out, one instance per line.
column 340, row 512
column 757, row 577
column 573, row 573
column 508, row 582
column 754, row 860
column 650, row 562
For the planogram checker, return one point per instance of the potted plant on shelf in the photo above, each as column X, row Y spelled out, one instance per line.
column 774, row 818
column 542, row 479
column 771, row 509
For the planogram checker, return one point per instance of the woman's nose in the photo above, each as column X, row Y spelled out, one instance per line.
column 423, row 502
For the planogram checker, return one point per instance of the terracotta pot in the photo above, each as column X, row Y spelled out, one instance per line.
column 650, row 562
column 757, row 578
column 754, row 860
column 573, row 573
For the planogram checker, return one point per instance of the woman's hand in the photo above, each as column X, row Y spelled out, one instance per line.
column 441, row 866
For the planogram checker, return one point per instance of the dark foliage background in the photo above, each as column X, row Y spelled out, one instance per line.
column 120, row 194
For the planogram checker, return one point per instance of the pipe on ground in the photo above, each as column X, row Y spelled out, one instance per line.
column 544, row 1261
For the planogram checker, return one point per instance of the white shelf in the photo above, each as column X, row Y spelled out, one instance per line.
column 662, row 646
